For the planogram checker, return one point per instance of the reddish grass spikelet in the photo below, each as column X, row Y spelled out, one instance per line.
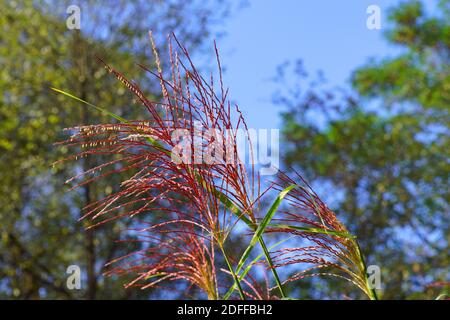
column 333, row 251
column 157, row 183
column 183, row 200
column 170, row 255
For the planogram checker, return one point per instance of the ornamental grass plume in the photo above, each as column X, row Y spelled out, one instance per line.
column 332, row 247
column 193, row 201
column 169, row 255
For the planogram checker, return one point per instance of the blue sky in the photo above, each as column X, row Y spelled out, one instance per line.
column 328, row 35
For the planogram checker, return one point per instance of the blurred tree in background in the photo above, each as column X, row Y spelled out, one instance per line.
column 380, row 156
column 39, row 236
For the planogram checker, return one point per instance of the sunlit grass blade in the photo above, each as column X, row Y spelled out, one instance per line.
column 262, row 226
column 235, row 278
column 313, row 230
column 249, row 266
column 443, row 296
column 233, row 208
column 259, row 232
column 115, row 116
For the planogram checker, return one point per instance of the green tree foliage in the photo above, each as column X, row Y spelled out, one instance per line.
column 382, row 157
column 39, row 236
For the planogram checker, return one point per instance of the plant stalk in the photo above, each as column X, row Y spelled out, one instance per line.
column 236, row 280
column 274, row 272
column 370, row 291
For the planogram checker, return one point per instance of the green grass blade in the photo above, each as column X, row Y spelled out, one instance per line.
column 443, row 296
column 262, row 226
column 272, row 267
column 250, row 265
column 257, row 237
column 115, row 116
column 232, row 207
column 235, row 278
column 313, row 230
column 239, row 214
